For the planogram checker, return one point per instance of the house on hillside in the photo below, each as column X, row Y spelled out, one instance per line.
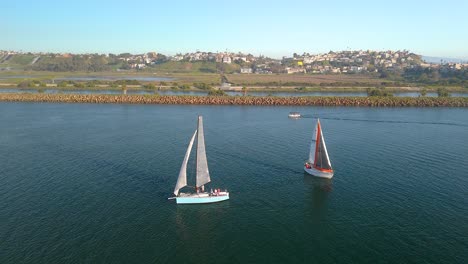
column 227, row 59
column 295, row 70
column 246, row 70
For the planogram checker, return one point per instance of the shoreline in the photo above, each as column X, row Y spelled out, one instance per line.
column 253, row 82
column 239, row 100
column 291, row 89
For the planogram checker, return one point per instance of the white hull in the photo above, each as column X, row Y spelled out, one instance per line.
column 201, row 198
column 317, row 173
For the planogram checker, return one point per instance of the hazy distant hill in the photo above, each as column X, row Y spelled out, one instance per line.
column 437, row 59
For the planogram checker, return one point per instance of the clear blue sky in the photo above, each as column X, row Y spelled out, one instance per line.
column 274, row 28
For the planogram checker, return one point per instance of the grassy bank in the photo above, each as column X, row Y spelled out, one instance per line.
column 300, row 79
column 47, row 76
column 253, row 82
column 239, row 100
column 297, row 90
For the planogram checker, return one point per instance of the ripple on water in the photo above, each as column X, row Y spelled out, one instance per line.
column 90, row 182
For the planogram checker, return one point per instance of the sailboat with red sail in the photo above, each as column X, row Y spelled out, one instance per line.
column 318, row 164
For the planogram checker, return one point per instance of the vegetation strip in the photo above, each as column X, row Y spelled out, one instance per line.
column 239, row 100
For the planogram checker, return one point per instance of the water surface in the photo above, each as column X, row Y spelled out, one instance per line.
column 90, row 182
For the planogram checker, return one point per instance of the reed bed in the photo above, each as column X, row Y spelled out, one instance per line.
column 239, row 100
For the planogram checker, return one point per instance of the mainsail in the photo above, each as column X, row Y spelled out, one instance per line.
column 182, row 180
column 321, row 161
column 203, row 175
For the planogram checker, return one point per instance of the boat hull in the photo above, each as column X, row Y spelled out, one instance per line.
column 201, row 198
column 318, row 173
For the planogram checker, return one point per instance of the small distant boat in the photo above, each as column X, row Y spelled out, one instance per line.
column 318, row 164
column 294, row 115
column 202, row 175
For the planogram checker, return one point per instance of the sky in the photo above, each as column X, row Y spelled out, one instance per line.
column 271, row 28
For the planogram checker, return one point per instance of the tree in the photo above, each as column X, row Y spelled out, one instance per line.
column 435, row 76
column 442, row 92
column 125, row 66
column 216, row 93
column 160, row 59
column 423, row 78
column 184, row 86
column 423, row 92
column 149, row 86
column 78, row 85
column 378, row 92
column 62, row 84
column 202, row 86
column 25, row 84
column 383, row 74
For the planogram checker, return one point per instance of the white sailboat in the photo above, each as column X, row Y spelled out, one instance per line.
column 202, row 175
column 318, row 164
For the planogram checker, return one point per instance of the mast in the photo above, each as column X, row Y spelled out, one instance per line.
column 182, row 180
column 203, row 175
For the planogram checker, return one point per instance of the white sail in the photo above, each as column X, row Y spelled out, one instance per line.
column 326, row 158
column 182, row 180
column 203, row 175
column 313, row 144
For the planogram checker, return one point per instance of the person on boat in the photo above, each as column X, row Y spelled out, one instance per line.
column 307, row 165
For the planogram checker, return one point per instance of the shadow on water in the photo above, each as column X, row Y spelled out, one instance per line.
column 197, row 228
column 316, row 200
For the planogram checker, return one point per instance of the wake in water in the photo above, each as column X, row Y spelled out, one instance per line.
column 387, row 121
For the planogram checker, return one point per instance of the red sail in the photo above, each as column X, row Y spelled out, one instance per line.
column 321, row 161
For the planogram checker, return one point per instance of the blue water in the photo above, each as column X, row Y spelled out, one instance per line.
column 89, row 183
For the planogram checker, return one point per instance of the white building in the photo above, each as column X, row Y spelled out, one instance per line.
column 295, row 70
column 225, row 86
column 227, row 59
column 246, row 70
